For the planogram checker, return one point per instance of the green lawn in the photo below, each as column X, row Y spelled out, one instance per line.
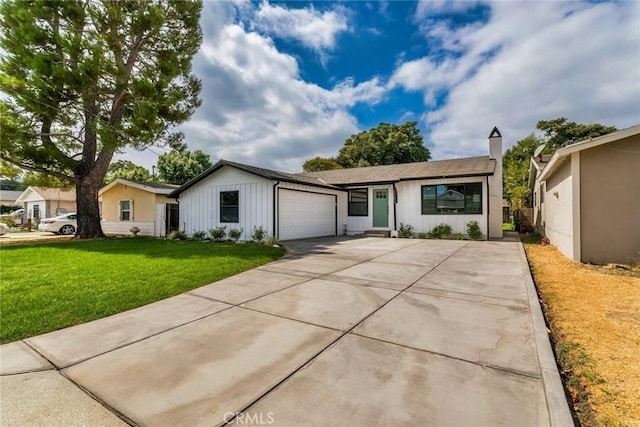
column 49, row 286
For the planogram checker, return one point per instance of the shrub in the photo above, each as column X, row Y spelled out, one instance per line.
column 473, row 230
column 9, row 220
column 459, row 236
column 198, row 235
column 423, row 235
column 259, row 234
column 218, row 233
column 439, row 231
column 177, row 235
column 405, row 231
column 271, row 241
column 236, row 233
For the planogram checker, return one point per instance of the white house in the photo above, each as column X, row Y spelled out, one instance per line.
column 586, row 198
column 348, row 201
column 41, row 202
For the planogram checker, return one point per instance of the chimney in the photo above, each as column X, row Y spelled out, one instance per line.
column 495, row 185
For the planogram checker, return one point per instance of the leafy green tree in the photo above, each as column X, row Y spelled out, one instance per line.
column 560, row 132
column 126, row 169
column 179, row 166
column 386, row 144
column 9, row 171
column 515, row 171
column 38, row 179
column 87, row 78
column 320, row 164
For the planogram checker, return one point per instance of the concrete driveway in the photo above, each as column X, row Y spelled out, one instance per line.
column 340, row 331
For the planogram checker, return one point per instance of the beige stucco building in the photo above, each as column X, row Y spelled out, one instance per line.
column 126, row 204
column 586, row 198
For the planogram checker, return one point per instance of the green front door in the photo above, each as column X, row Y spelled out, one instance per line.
column 380, row 208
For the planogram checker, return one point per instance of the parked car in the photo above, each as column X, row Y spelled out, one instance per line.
column 4, row 229
column 62, row 224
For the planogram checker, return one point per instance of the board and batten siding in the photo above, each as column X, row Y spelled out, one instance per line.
column 360, row 224
column 200, row 204
column 342, row 201
column 409, row 207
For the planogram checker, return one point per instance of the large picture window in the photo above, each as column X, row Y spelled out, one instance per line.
column 452, row 199
column 229, row 206
column 358, row 202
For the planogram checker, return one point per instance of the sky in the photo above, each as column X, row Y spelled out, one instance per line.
column 284, row 82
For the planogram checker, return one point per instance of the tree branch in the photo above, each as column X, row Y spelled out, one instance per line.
column 37, row 169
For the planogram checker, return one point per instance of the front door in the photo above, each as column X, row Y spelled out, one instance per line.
column 380, row 208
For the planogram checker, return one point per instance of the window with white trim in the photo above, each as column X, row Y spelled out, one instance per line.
column 126, row 210
column 452, row 199
column 358, row 202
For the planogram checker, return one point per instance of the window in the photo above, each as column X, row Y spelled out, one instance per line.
column 452, row 199
column 358, row 202
column 126, row 210
column 229, row 206
column 36, row 211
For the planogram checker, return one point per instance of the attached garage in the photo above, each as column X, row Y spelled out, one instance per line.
column 303, row 214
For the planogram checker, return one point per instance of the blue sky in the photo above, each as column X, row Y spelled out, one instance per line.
column 287, row 81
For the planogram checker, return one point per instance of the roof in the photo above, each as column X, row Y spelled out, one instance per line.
column 470, row 166
column 562, row 153
column 151, row 187
column 265, row 173
column 10, row 195
column 49, row 194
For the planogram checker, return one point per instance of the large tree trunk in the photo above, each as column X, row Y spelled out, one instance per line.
column 88, row 211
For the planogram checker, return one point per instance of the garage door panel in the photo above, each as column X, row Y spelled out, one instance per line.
column 303, row 215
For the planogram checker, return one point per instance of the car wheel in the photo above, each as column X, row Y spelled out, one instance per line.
column 67, row 229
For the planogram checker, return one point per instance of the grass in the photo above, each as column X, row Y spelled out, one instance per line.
column 49, row 286
column 594, row 317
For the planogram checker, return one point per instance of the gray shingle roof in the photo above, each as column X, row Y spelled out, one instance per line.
column 265, row 173
column 471, row 166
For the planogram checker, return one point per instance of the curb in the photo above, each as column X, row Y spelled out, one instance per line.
column 557, row 405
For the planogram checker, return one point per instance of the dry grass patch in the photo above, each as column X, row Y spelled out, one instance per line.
column 594, row 316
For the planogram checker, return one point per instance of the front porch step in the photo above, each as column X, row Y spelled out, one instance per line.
column 377, row 233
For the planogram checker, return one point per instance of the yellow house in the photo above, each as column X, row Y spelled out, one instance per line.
column 126, row 204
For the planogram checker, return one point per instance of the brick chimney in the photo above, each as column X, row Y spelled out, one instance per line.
column 495, row 185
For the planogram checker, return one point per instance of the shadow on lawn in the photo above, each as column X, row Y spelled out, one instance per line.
column 157, row 248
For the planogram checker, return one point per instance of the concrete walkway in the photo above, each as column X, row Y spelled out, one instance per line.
column 340, row 331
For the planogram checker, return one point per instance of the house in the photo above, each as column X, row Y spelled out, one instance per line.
column 347, row 201
column 125, row 204
column 586, row 198
column 41, row 202
column 9, row 197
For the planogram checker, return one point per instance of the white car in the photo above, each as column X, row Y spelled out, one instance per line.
column 62, row 224
column 4, row 229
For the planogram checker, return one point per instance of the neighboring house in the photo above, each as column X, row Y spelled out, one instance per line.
column 126, row 204
column 587, row 198
column 9, row 197
column 347, row 201
column 40, row 202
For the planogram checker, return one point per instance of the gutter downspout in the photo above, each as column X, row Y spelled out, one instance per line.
column 275, row 208
column 395, row 204
column 488, row 198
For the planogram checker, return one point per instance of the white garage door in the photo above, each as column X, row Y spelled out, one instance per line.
column 304, row 215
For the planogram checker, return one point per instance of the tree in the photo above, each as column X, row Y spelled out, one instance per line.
column 559, row 132
column 86, row 78
column 38, row 179
column 126, row 169
column 179, row 166
column 386, row 144
column 320, row 164
column 515, row 171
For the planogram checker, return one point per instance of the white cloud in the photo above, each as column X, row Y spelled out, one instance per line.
column 316, row 30
column 530, row 61
column 257, row 109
